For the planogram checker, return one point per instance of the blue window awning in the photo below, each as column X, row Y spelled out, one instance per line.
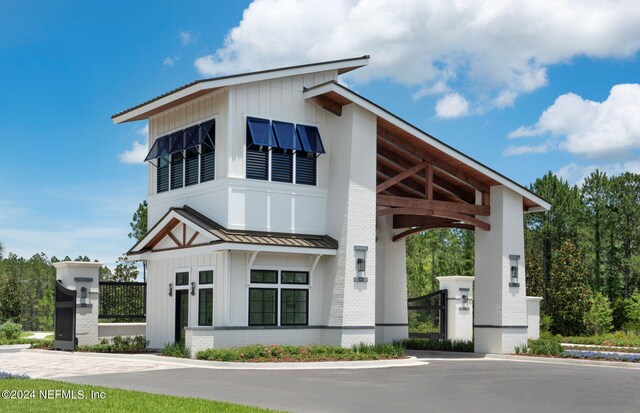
column 286, row 135
column 260, row 133
column 159, row 149
column 204, row 130
column 310, row 138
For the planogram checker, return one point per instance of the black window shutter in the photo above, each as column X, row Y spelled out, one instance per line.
column 305, row 169
column 208, row 164
column 257, row 164
column 177, row 174
column 281, row 166
column 191, row 168
column 162, row 179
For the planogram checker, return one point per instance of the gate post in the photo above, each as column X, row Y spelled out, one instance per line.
column 459, row 306
column 83, row 277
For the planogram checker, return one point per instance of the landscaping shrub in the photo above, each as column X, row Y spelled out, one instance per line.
column 176, row 350
column 545, row 323
column 277, row 353
column 10, row 330
column 630, row 357
column 465, row 346
column 5, row 375
column 548, row 347
column 618, row 338
column 632, row 313
column 118, row 344
column 619, row 314
column 599, row 319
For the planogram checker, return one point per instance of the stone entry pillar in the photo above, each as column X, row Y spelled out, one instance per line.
column 83, row 277
column 459, row 306
column 533, row 317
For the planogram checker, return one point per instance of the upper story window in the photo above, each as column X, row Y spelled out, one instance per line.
column 185, row 157
column 282, row 152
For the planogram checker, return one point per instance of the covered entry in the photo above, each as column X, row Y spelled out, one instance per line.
column 421, row 184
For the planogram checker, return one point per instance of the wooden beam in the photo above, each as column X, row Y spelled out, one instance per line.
column 486, row 199
column 425, row 155
column 193, row 238
column 417, row 182
column 184, row 234
column 329, row 105
column 163, row 233
column 401, row 176
column 436, row 213
column 392, row 154
column 427, row 227
column 410, row 221
column 403, row 202
column 173, row 237
column 429, row 181
column 400, row 185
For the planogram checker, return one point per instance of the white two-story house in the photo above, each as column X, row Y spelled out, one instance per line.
column 279, row 202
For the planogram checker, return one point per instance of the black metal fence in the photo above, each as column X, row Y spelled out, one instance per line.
column 428, row 316
column 123, row 300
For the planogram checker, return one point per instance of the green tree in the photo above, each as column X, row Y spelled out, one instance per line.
column 595, row 193
column 11, row 299
column 125, row 271
column 139, row 222
column 568, row 291
column 599, row 319
column 1, row 249
column 632, row 313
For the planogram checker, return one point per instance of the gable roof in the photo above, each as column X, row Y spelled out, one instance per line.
column 339, row 96
column 203, row 86
column 222, row 237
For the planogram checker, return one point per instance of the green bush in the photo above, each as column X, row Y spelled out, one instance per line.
column 632, row 313
column 465, row 346
column 547, row 347
column 277, row 353
column 619, row 314
column 176, row 350
column 545, row 323
column 118, row 344
column 10, row 330
column 599, row 318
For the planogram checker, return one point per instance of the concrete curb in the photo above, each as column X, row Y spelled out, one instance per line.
column 557, row 360
column 185, row 363
column 11, row 348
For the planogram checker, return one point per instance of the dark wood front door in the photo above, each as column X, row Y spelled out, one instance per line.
column 182, row 314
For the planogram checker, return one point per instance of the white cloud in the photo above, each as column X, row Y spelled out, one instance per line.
column 522, row 149
column 608, row 129
column 168, row 61
column 187, row 37
column 576, row 174
column 497, row 49
column 452, row 105
column 139, row 150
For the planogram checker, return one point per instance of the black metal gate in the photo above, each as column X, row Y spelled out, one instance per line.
column 65, row 319
column 124, row 301
column 428, row 316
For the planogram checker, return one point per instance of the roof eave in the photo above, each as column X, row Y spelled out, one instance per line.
column 140, row 111
column 331, row 86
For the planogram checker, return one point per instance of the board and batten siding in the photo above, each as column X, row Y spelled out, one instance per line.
column 161, row 306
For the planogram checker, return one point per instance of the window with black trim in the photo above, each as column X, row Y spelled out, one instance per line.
column 177, row 171
column 294, row 304
column 182, row 278
column 306, row 168
column 295, row 277
column 162, row 181
column 264, row 276
column 191, row 168
column 208, row 160
column 262, row 306
column 205, row 298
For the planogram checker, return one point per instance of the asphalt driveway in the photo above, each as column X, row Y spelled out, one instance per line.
column 445, row 385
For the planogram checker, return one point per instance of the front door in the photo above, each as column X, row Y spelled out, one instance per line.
column 182, row 314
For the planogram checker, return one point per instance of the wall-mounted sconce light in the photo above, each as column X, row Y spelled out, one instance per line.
column 513, row 280
column 170, row 289
column 361, row 263
column 83, row 292
column 193, row 288
column 464, row 298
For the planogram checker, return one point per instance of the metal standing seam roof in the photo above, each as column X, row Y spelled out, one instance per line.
column 255, row 237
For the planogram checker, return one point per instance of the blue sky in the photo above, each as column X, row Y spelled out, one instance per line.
column 502, row 82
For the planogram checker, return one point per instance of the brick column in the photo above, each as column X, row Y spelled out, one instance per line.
column 351, row 201
column 500, row 302
column 83, row 277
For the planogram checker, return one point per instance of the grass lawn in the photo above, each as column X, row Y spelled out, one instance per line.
column 114, row 400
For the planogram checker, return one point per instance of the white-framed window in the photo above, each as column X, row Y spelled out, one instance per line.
column 205, row 296
column 278, row 297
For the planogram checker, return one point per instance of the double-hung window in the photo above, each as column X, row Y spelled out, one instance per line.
column 279, row 298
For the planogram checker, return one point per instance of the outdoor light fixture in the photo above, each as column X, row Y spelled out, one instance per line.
column 464, row 298
column 514, row 271
column 83, row 292
column 361, row 263
column 193, row 288
column 170, row 289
